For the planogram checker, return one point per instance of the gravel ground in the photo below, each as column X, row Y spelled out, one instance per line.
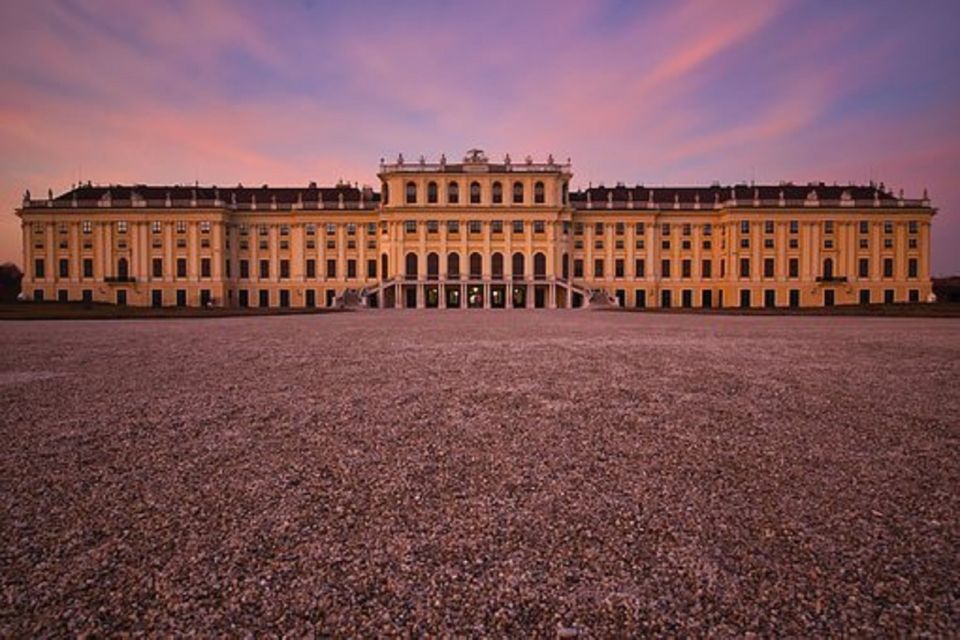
column 481, row 473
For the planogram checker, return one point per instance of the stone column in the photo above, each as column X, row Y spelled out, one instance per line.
column 75, row 260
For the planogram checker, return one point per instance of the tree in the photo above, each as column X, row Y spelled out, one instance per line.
column 10, row 277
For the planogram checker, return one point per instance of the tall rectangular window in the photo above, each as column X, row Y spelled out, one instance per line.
column 39, row 270
column 744, row 267
column 284, row 269
column 888, row 267
column 598, row 268
column 794, row 271
column 331, row 268
column 640, row 266
column 351, row 268
column 205, row 267
column 181, row 267
column 311, row 268
column 244, row 269
column 264, row 268
column 64, row 268
column 706, row 269
column 87, row 268
column 863, row 268
column 684, row 268
column 912, row 268
column 158, row 267
column 618, row 268
column 664, row 268
column 768, row 267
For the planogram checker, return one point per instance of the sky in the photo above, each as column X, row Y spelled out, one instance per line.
column 656, row 93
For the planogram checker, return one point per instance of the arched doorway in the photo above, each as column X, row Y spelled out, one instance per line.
column 453, row 265
column 518, row 262
column 410, row 269
column 539, row 266
column 496, row 265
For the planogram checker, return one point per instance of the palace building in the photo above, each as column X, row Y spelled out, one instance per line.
column 478, row 234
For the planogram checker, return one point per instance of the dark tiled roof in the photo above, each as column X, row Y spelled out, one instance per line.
column 667, row 197
column 285, row 197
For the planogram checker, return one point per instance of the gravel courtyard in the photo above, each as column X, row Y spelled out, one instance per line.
column 481, row 473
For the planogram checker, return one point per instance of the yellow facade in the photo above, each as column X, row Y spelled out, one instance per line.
column 478, row 234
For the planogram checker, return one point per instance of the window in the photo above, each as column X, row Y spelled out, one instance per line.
column 598, row 268
column 598, row 229
column 311, row 268
column 410, row 226
column 578, row 268
column 411, row 193
column 517, row 226
column 864, row 243
column 64, row 268
column 794, row 243
column 912, row 268
column 888, row 267
column 497, row 193
column 156, row 226
column 639, row 228
column 912, row 243
column 87, row 268
column 371, row 268
column 311, row 229
column 888, row 226
column 687, row 229
column 496, row 226
column 538, row 193
column 351, row 268
column 205, row 267
column 121, row 226
column 794, row 226
column 86, row 226
column 264, row 268
column 665, row 244
column 768, row 243
column 453, row 193
column 768, row 226
column 331, row 268
column 618, row 267
column 744, row 243
column 828, row 227
column 794, row 268
column 158, row 267
column 912, row 227
column 706, row 269
column 331, row 229
column 351, row 228
column 453, row 265
column 685, row 268
column 744, row 226
column 863, row 268
column 665, row 229
column 640, row 267
column 453, row 226
column 244, row 269
column 181, row 226
column 433, row 226
column 828, row 243
column 284, row 268
column 665, row 268
column 181, row 267
column 768, row 267
column 578, row 228
column 474, row 226
column 432, row 192
column 744, row 267
column 864, row 227
column 539, row 226
column 205, row 227
column 640, row 244
column 517, row 193
column 888, row 243
column 476, row 265
column 474, row 193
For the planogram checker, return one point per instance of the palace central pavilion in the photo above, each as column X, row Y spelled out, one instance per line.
column 478, row 234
